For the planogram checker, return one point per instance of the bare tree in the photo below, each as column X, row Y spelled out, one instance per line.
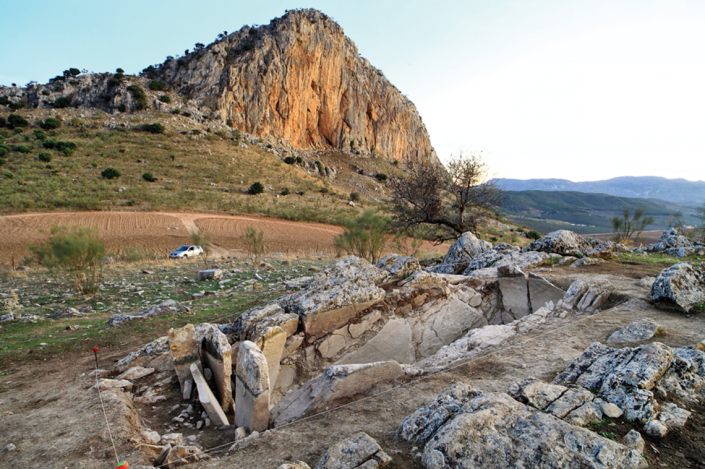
column 628, row 226
column 453, row 200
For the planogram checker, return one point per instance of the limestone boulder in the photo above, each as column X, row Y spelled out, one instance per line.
column 354, row 452
column 184, row 350
column 637, row 331
column 536, row 393
column 685, row 377
column 337, row 294
column 587, row 296
column 211, row 274
column 272, row 342
column 604, row 248
column 695, row 250
column 563, row 242
column 461, row 253
column 681, row 286
column 492, row 430
column 334, row 383
column 207, row 398
column 399, row 266
column 503, row 255
column 671, row 239
column 152, row 349
column 216, row 354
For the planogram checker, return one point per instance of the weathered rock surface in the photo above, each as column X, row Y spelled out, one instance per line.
column 301, row 79
column 563, row 242
column 587, row 261
column 353, row 452
column 207, row 398
column 215, row 353
column 587, row 297
column 154, row 348
column 399, row 266
column 272, row 342
column 211, row 274
column 681, row 286
column 167, row 307
column 252, row 388
column 336, row 295
column 336, row 382
column 637, row 331
column 604, row 249
column 486, row 264
column 183, row 348
column 492, row 430
column 135, row 373
column 670, row 239
column 461, row 253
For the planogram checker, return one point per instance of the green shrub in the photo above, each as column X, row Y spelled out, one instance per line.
column 67, row 148
column 289, row 160
column 381, row 177
column 50, row 123
column 286, row 191
column 39, row 135
column 45, row 157
column 45, row 92
column 139, row 95
column 321, row 168
column 256, row 188
column 16, row 121
column 176, row 111
column 156, row 85
column 2, row 161
column 165, row 99
column 354, row 196
column 4, row 100
column 4, row 150
column 533, row 234
column 16, row 106
column 8, row 174
column 74, row 72
column 363, row 236
column 3, row 122
column 75, row 251
column 186, row 114
column 155, row 128
column 49, row 143
column 23, row 148
column 254, row 242
column 62, row 102
column 299, row 160
column 110, row 173
column 149, row 177
column 249, row 46
column 229, row 122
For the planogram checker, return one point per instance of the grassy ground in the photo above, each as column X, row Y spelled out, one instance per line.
column 127, row 289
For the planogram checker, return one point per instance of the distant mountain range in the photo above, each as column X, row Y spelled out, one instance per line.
column 679, row 191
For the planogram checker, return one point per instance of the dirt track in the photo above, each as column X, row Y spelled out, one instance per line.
column 163, row 232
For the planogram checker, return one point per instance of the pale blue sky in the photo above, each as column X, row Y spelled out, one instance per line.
column 545, row 88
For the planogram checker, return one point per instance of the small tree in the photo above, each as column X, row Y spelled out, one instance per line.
column 254, row 243
column 363, row 236
column 110, row 173
column 50, row 123
column 149, row 177
column 199, row 238
column 256, row 188
column 16, row 121
column 625, row 226
column 75, row 251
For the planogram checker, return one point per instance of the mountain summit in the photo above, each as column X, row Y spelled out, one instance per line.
column 299, row 78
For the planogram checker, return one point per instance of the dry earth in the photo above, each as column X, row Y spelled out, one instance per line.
column 48, row 411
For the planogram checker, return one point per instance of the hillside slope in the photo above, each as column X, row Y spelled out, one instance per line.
column 679, row 191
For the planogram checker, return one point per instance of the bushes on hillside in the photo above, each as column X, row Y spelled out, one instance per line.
column 149, row 177
column 156, row 85
column 165, row 99
column 16, row 121
column 139, row 95
column 3, row 150
column 16, row 106
column 364, row 236
column 4, row 100
column 45, row 157
column 62, row 102
column 39, row 135
column 110, row 173
column 50, row 123
column 289, row 160
column 67, row 148
column 381, row 177
column 256, row 188
column 155, row 128
column 23, row 148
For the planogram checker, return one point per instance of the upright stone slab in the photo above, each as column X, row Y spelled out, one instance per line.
column 183, row 349
column 251, row 388
column 215, row 352
column 208, row 400
column 271, row 342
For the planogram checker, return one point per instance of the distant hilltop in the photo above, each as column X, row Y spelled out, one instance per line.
column 297, row 79
column 678, row 191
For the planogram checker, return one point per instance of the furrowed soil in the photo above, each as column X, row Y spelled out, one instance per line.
column 159, row 233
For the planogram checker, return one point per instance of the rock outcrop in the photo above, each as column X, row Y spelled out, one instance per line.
column 300, row 79
column 563, row 242
column 681, row 286
column 461, row 253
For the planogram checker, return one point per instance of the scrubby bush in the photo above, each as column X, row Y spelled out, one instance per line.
column 364, row 236
column 75, row 251
column 39, row 135
column 156, row 85
column 24, row 148
column 139, row 95
column 3, row 122
column 155, row 128
column 110, row 173
column 62, row 102
column 122, row 108
column 45, row 92
column 533, row 234
column 165, row 99
column 16, row 121
column 49, row 143
column 16, row 106
column 149, row 177
column 2, row 161
column 249, row 46
column 4, row 100
column 289, row 160
column 229, row 122
column 254, row 242
column 74, row 72
column 354, row 196
column 4, row 150
column 50, row 123
column 8, row 174
column 67, row 148
column 45, row 157
column 176, row 111
column 321, row 168
column 256, row 188
column 381, row 177
column 286, row 191
column 299, row 160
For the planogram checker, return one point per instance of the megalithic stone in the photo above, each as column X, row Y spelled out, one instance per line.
column 208, row 400
column 183, row 349
column 272, row 342
column 215, row 352
column 251, row 388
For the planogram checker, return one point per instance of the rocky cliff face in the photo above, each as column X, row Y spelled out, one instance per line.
column 301, row 79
